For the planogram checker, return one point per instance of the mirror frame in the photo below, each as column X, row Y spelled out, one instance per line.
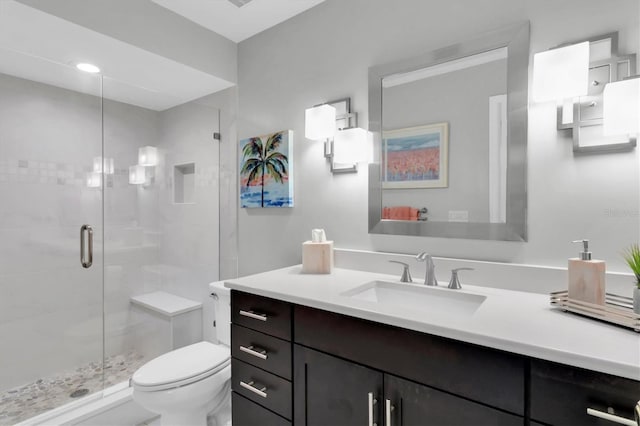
column 516, row 39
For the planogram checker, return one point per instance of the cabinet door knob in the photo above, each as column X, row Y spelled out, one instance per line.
column 388, row 408
column 255, row 351
column 611, row 417
column 255, row 388
column 254, row 315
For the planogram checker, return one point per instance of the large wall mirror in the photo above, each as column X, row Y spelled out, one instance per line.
column 450, row 140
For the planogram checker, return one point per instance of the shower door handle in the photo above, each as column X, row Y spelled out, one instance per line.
column 88, row 260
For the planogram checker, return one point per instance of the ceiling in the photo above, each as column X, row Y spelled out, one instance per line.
column 42, row 47
column 237, row 23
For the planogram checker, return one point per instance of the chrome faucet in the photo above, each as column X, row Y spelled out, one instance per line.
column 429, row 275
column 454, row 282
column 406, row 274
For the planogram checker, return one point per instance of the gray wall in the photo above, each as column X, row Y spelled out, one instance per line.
column 324, row 54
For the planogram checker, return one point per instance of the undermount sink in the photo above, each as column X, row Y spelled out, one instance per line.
column 434, row 300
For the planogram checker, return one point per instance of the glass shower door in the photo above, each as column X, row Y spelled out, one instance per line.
column 51, row 174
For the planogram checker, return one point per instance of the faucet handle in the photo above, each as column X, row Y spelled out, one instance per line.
column 454, row 282
column 406, row 274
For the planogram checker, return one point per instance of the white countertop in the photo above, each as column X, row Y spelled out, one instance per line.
column 513, row 321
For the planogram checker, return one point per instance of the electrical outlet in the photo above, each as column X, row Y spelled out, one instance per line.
column 458, row 216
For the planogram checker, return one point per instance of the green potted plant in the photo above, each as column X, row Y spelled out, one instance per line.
column 632, row 257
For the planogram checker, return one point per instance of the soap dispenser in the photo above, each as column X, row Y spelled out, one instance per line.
column 586, row 277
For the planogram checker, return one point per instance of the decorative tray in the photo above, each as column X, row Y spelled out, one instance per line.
column 616, row 310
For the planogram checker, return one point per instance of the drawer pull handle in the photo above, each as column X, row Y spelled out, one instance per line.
column 388, row 409
column 372, row 402
column 253, row 315
column 251, row 386
column 257, row 352
column 611, row 417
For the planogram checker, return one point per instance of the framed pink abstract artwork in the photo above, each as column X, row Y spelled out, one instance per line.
column 416, row 157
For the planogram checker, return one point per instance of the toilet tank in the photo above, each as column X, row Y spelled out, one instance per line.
column 221, row 297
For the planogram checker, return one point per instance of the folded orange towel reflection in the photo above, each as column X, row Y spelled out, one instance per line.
column 400, row 213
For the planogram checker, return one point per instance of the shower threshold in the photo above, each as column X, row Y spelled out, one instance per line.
column 46, row 394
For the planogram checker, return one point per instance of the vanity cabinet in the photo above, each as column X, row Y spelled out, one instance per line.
column 261, row 361
column 488, row 376
column 339, row 392
column 332, row 391
column 413, row 378
column 293, row 364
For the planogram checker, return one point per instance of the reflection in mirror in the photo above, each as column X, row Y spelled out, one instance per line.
column 450, row 116
column 450, row 129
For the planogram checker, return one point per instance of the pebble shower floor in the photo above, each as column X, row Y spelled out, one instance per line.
column 47, row 393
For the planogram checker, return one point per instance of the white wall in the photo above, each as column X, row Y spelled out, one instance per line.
column 324, row 54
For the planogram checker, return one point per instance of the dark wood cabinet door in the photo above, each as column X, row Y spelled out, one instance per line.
column 417, row 405
column 561, row 395
column 332, row 391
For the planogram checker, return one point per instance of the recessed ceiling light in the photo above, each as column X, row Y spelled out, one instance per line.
column 83, row 66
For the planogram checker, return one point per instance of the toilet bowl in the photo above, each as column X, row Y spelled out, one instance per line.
column 188, row 383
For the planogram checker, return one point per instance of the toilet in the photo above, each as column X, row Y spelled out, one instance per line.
column 188, row 383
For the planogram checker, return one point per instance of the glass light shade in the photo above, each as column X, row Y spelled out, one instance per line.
column 621, row 107
column 137, row 175
column 561, row 73
column 94, row 180
column 350, row 146
column 320, row 122
column 148, row 156
column 100, row 164
column 86, row 67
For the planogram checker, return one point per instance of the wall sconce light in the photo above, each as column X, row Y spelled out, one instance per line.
column 100, row 165
column 94, row 179
column 561, row 75
column 148, row 156
column 320, row 122
column 345, row 145
column 137, row 175
column 622, row 108
column 593, row 116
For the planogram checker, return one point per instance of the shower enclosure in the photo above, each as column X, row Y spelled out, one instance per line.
column 105, row 194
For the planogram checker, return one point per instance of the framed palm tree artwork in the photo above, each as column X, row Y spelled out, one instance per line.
column 265, row 170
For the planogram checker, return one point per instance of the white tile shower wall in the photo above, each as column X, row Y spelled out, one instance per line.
column 190, row 232
column 569, row 197
column 176, row 245
column 130, row 217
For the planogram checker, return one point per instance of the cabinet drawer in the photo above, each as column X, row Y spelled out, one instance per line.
column 263, row 351
column 481, row 374
column 261, row 313
column 247, row 413
column 264, row 388
column 561, row 394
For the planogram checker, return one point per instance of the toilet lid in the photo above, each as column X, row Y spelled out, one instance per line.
column 193, row 361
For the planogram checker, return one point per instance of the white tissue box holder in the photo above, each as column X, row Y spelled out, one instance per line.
column 317, row 258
